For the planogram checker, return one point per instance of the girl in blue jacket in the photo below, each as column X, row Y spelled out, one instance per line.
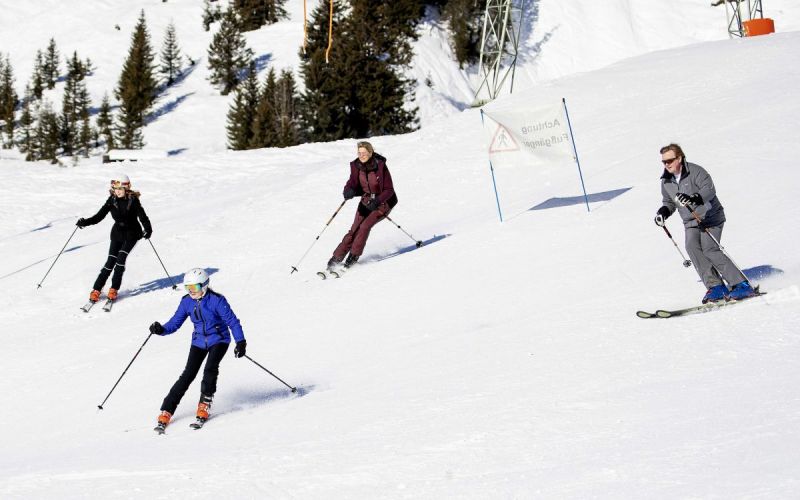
column 213, row 321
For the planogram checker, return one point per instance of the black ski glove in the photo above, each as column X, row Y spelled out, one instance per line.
column 240, row 349
column 157, row 329
column 349, row 193
column 685, row 199
column 661, row 216
column 147, row 234
column 373, row 204
column 81, row 223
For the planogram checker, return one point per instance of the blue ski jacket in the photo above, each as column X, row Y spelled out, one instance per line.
column 213, row 320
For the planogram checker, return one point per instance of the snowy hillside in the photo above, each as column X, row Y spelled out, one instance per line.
column 497, row 361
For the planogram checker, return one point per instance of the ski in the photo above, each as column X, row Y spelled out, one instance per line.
column 198, row 424
column 108, row 305
column 325, row 274
column 87, row 306
column 703, row 308
column 160, row 428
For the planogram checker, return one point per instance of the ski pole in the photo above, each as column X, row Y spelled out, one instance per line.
column 418, row 242
column 721, row 248
column 294, row 267
column 686, row 262
column 174, row 286
column 57, row 256
column 123, row 373
column 294, row 389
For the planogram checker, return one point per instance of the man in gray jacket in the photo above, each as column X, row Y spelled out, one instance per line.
column 688, row 188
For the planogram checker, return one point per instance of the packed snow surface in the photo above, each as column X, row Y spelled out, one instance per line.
column 500, row 360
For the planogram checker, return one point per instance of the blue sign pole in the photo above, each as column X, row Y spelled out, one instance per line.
column 575, row 150
column 494, row 183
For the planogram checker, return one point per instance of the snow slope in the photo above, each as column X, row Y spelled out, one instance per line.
column 499, row 361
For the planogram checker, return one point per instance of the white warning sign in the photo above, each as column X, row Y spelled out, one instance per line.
column 503, row 141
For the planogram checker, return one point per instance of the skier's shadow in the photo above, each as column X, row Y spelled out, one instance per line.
column 407, row 249
column 161, row 283
column 244, row 399
column 761, row 272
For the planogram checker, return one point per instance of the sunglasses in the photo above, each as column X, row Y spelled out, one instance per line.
column 120, row 185
column 669, row 161
column 194, row 287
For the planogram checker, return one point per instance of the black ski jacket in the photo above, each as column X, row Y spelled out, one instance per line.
column 125, row 212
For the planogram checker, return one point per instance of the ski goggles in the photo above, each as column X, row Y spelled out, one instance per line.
column 120, row 185
column 195, row 287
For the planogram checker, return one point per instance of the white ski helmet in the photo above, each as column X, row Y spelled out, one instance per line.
column 121, row 180
column 194, row 278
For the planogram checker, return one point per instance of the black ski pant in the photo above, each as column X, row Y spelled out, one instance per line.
column 210, row 373
column 117, row 255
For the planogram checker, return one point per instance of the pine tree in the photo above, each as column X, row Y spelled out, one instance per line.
column 137, row 87
column 242, row 112
column 264, row 124
column 286, row 106
column 465, row 18
column 210, row 15
column 47, row 133
column 104, row 123
column 67, row 122
column 362, row 90
column 50, row 66
column 326, row 100
column 27, row 135
column 257, row 13
column 75, row 129
column 38, row 78
column 228, row 55
column 170, row 55
column 8, row 100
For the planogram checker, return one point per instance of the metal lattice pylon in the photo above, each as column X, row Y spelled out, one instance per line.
column 502, row 24
column 739, row 11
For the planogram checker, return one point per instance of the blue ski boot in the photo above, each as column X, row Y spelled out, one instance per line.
column 715, row 294
column 741, row 291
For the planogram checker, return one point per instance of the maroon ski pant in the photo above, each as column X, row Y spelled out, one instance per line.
column 356, row 239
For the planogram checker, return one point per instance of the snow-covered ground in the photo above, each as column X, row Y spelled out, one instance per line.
column 498, row 361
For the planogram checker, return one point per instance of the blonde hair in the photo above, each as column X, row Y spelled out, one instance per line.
column 367, row 146
column 128, row 192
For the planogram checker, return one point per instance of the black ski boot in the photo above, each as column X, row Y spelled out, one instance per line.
column 351, row 259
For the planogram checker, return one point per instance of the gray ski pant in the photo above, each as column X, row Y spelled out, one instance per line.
column 711, row 264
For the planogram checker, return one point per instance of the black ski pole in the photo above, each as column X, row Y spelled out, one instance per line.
column 721, row 248
column 294, row 267
column 418, row 242
column 686, row 262
column 57, row 256
column 174, row 286
column 294, row 389
column 123, row 373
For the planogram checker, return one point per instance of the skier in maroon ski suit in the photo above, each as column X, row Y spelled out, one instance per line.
column 370, row 179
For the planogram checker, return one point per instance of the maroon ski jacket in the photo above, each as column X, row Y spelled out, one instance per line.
column 383, row 189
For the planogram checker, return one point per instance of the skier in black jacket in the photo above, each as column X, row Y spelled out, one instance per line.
column 127, row 212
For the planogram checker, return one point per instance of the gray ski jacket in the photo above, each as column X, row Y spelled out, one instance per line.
column 694, row 179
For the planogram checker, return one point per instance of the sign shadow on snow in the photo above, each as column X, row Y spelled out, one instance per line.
column 160, row 283
column 579, row 200
column 407, row 249
column 37, row 229
column 43, row 260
